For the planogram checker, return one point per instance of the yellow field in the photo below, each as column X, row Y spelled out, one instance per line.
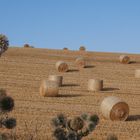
column 23, row 69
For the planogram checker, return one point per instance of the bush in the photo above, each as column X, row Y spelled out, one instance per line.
column 75, row 128
column 6, row 105
column 4, row 43
column 60, row 120
column 9, row 123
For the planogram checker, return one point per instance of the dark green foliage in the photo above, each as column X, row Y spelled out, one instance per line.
column 9, row 123
column 91, row 126
column 59, row 134
column 60, row 120
column 6, row 104
column 73, row 129
column 55, row 122
column 84, row 132
column 4, row 43
column 94, row 118
column 72, row 135
column 112, row 137
column 84, row 116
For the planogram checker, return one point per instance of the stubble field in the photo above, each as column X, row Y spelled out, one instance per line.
column 23, row 69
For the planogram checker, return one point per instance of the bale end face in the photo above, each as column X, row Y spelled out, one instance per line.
column 49, row 89
column 61, row 66
column 80, row 62
column 119, row 112
column 114, row 108
column 124, row 59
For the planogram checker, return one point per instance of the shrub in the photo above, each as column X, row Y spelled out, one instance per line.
column 94, row 118
column 71, row 135
column 91, row 126
column 6, row 104
column 84, row 116
column 60, row 120
column 75, row 128
column 9, row 123
column 4, row 43
column 59, row 134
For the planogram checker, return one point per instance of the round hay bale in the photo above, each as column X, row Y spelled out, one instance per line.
column 82, row 48
column 80, row 62
column 95, row 85
column 124, row 59
column 114, row 108
column 49, row 88
column 61, row 66
column 26, row 46
column 137, row 73
column 56, row 78
column 65, row 49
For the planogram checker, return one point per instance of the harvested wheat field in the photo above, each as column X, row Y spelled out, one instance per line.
column 23, row 69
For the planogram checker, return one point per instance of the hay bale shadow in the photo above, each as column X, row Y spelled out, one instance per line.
column 68, row 95
column 70, row 85
column 89, row 66
column 73, row 70
column 133, row 118
column 132, row 62
column 109, row 89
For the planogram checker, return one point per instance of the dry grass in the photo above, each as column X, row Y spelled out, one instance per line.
column 22, row 70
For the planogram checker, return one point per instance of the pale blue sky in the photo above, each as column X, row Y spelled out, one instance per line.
column 100, row 25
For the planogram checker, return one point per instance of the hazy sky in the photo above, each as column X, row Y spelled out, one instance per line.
column 100, row 25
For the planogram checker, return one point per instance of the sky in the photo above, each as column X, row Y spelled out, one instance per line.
column 99, row 25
